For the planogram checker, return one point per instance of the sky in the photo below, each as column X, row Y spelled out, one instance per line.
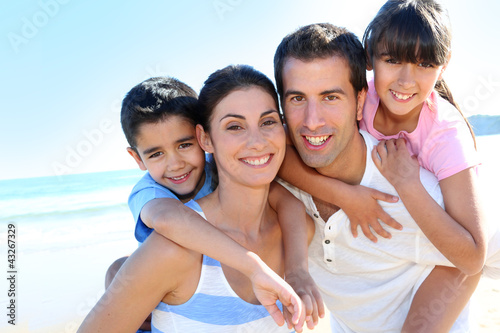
column 67, row 64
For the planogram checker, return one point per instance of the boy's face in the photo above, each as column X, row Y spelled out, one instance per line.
column 170, row 152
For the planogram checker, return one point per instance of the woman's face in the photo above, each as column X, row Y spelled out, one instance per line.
column 247, row 137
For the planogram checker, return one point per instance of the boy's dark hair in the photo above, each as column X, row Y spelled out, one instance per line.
column 322, row 40
column 154, row 100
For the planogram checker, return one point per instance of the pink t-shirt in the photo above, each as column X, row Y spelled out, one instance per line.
column 442, row 141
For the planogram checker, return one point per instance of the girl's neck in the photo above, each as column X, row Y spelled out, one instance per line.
column 389, row 123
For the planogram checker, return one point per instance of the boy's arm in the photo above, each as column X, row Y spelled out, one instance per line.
column 358, row 202
column 180, row 224
column 297, row 234
column 439, row 300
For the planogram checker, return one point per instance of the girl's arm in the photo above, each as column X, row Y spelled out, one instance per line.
column 439, row 300
column 297, row 230
column 358, row 202
column 149, row 274
column 459, row 232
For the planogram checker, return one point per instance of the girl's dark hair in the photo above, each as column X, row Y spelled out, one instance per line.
column 224, row 81
column 155, row 99
column 413, row 31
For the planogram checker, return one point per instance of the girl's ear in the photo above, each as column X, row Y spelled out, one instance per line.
column 444, row 67
column 137, row 158
column 204, row 139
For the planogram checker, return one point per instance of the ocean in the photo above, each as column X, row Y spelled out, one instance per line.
column 69, row 210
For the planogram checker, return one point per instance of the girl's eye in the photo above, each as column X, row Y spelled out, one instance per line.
column 157, row 154
column 391, row 61
column 185, row 145
column 426, row 65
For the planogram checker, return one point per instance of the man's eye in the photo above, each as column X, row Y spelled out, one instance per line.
column 331, row 98
column 297, row 98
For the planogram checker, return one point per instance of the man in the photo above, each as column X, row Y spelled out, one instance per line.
column 368, row 287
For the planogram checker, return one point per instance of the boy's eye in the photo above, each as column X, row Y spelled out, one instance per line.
column 157, row 154
column 185, row 145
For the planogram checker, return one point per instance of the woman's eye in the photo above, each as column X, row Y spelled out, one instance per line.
column 234, row 127
column 269, row 122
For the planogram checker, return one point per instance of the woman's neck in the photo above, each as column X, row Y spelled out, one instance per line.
column 237, row 208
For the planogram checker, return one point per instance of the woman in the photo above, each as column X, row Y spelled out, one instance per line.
column 242, row 128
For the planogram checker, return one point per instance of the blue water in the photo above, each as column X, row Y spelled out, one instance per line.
column 71, row 210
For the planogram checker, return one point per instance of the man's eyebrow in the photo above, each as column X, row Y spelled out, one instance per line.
column 333, row 91
column 293, row 92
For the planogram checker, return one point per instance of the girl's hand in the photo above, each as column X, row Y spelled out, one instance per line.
column 395, row 163
column 364, row 210
column 303, row 284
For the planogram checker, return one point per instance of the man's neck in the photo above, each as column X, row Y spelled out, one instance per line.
column 350, row 165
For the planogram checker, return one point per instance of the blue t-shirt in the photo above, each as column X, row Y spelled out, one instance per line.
column 147, row 189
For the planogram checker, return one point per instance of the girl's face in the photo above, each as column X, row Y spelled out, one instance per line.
column 170, row 152
column 247, row 138
column 403, row 87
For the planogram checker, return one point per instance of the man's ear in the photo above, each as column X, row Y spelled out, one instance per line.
column 137, row 158
column 204, row 139
column 360, row 104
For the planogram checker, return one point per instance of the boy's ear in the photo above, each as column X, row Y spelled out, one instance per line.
column 137, row 158
column 204, row 139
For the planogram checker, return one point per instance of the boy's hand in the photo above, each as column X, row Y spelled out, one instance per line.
column 306, row 288
column 270, row 287
column 364, row 210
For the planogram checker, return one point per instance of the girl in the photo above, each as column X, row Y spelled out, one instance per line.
column 242, row 129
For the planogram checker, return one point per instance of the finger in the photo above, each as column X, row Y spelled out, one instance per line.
column 319, row 303
column 368, row 233
column 276, row 314
column 354, row 229
column 377, row 195
column 376, row 158
column 391, row 146
column 288, row 318
column 297, row 309
column 308, row 306
column 380, row 230
column 387, row 219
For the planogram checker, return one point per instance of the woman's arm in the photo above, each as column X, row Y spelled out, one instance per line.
column 149, row 274
column 358, row 202
column 459, row 233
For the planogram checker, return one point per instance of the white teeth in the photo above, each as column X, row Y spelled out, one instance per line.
column 317, row 140
column 400, row 96
column 179, row 178
column 260, row 161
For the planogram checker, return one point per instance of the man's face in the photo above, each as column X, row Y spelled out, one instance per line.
column 321, row 108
